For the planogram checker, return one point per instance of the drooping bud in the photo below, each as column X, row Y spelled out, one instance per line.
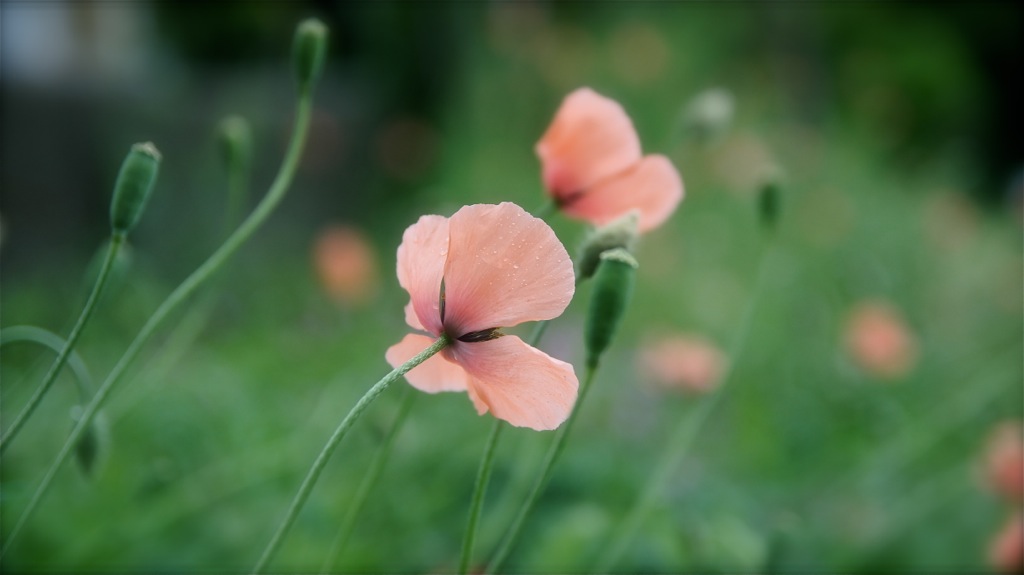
column 613, row 288
column 308, row 51
column 91, row 447
column 134, row 183
column 619, row 233
column 769, row 199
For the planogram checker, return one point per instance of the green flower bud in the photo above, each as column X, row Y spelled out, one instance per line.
column 769, row 198
column 619, row 233
column 92, row 446
column 308, row 51
column 235, row 139
column 134, row 183
column 613, row 288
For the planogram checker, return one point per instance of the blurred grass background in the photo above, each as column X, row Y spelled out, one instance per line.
column 896, row 129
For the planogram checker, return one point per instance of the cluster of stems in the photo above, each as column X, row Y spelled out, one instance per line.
column 131, row 192
column 606, row 260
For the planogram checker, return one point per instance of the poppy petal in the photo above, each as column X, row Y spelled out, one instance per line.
column 504, row 267
column 590, row 138
column 653, row 187
column 432, row 376
column 421, row 258
column 518, row 383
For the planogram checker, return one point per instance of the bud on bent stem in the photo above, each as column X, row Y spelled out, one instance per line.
column 134, row 184
column 308, row 51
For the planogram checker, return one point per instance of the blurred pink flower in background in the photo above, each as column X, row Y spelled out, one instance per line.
column 593, row 167
column 1006, row 549
column 487, row 267
column 1004, row 461
column 687, row 363
column 878, row 341
column 346, row 265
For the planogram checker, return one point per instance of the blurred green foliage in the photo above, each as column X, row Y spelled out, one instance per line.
column 882, row 119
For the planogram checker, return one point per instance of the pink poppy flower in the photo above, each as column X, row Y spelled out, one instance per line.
column 1004, row 461
column 346, row 265
column 594, row 169
column 1006, row 548
column 879, row 341
column 682, row 362
column 487, row 267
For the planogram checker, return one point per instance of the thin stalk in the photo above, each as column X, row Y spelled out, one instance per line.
column 336, row 437
column 255, row 220
column 45, row 338
column 554, row 452
column 679, row 445
column 116, row 241
column 369, row 480
column 482, row 477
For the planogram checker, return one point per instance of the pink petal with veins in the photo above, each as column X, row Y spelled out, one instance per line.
column 653, row 186
column 421, row 258
column 518, row 383
column 590, row 138
column 504, row 267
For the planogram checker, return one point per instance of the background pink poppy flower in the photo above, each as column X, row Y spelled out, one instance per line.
column 1004, row 461
column 593, row 167
column 682, row 363
column 878, row 340
column 346, row 265
column 500, row 266
column 1006, row 549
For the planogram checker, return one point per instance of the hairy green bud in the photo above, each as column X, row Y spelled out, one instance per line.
column 134, row 184
column 769, row 199
column 613, row 288
column 619, row 233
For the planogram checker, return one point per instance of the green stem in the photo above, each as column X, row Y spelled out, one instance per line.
column 256, row 219
column 554, row 452
column 482, row 477
column 116, row 241
column 238, row 184
column 679, row 444
column 339, row 433
column 369, row 480
column 40, row 336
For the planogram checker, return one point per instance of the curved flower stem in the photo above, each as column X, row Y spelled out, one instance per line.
column 116, row 241
column 679, row 444
column 554, row 452
column 45, row 338
column 336, row 437
column 369, row 480
column 482, row 477
column 484, row 472
column 256, row 219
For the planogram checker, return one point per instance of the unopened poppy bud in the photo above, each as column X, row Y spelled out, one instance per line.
column 308, row 51
column 134, row 183
column 613, row 288
column 769, row 198
column 619, row 233
column 92, row 445
column 235, row 139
